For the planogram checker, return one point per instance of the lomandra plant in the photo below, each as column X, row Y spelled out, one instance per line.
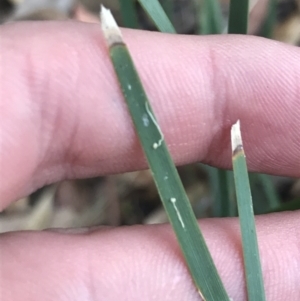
column 174, row 199
column 170, row 188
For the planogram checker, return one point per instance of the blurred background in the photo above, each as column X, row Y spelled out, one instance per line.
column 132, row 198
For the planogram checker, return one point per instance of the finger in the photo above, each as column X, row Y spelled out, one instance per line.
column 63, row 115
column 83, row 15
column 144, row 263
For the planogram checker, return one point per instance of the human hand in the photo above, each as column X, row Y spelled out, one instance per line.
column 63, row 116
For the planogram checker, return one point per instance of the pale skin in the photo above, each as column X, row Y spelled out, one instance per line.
column 63, row 116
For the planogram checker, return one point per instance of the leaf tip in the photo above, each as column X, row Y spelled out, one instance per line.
column 109, row 27
column 236, row 137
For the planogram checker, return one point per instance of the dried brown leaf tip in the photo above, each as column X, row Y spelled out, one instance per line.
column 110, row 28
column 236, row 139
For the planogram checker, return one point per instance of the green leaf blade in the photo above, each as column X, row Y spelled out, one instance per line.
column 220, row 186
column 253, row 271
column 238, row 17
column 129, row 14
column 155, row 11
column 167, row 180
column 268, row 26
column 270, row 192
column 210, row 17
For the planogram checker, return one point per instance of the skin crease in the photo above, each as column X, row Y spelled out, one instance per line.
column 62, row 116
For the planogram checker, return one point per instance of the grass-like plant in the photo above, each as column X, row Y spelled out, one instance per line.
column 175, row 201
column 164, row 172
column 220, row 185
column 156, row 12
column 238, row 24
column 253, row 272
column 210, row 17
column 129, row 14
column 238, row 16
column 270, row 20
